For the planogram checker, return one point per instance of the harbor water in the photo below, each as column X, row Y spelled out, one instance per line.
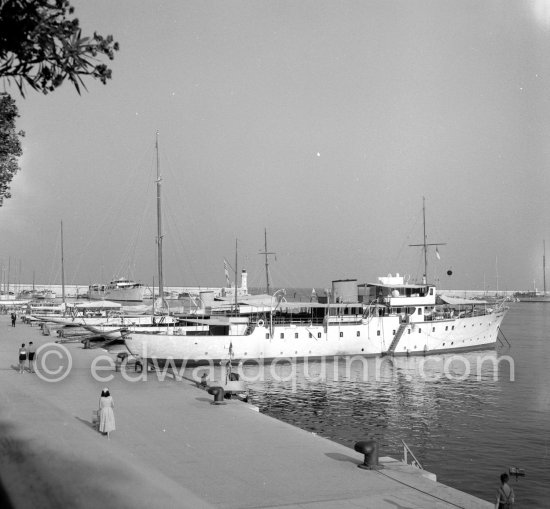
column 467, row 417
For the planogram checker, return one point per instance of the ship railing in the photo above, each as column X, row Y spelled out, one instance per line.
column 413, row 460
column 297, row 321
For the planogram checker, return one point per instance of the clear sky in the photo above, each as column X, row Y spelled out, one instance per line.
column 325, row 122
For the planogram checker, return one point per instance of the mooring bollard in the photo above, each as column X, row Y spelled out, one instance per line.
column 120, row 358
column 218, row 394
column 370, row 449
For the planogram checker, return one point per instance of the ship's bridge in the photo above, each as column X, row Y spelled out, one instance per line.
column 398, row 294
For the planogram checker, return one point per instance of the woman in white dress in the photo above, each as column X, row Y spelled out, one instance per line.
column 106, row 414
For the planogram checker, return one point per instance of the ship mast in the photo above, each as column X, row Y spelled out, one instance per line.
column 62, row 268
column 425, row 243
column 236, row 260
column 159, row 227
column 266, row 253
column 544, row 265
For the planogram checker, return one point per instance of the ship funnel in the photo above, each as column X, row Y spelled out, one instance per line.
column 207, row 299
column 345, row 290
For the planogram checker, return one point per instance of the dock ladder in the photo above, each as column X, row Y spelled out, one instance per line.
column 406, row 451
column 396, row 339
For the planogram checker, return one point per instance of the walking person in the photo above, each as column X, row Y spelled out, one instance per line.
column 106, row 413
column 22, row 358
column 505, row 494
column 13, row 318
column 31, row 352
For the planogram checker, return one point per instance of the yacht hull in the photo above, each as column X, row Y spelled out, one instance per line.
column 369, row 337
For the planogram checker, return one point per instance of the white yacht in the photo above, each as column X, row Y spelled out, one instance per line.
column 389, row 317
column 121, row 290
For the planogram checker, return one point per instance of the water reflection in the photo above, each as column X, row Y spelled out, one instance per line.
column 348, row 399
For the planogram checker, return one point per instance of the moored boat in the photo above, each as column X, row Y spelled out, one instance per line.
column 535, row 295
column 121, row 290
column 389, row 317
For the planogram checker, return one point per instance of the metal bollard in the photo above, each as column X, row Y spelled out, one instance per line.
column 218, row 394
column 370, row 449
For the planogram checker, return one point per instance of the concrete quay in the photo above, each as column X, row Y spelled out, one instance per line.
column 172, row 447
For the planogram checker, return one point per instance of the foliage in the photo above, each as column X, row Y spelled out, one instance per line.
column 40, row 46
column 10, row 145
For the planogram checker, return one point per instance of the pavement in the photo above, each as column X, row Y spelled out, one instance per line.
column 172, row 446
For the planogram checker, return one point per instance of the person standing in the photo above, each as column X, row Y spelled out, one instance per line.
column 31, row 352
column 13, row 318
column 22, row 358
column 505, row 494
column 106, row 413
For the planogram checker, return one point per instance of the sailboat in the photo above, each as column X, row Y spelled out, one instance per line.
column 536, row 296
column 387, row 317
column 159, row 320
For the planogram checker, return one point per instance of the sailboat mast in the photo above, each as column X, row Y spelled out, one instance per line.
column 266, row 253
column 159, row 226
column 544, row 265
column 62, row 268
column 236, row 260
